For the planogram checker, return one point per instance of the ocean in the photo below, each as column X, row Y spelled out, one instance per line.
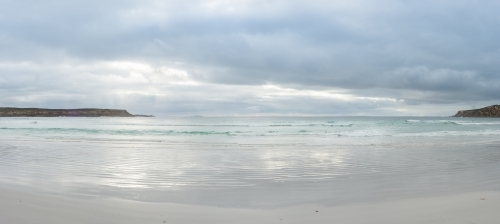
column 254, row 162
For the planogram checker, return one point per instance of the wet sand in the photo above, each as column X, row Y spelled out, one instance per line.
column 136, row 171
column 18, row 206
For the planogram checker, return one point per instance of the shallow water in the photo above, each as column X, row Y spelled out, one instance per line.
column 251, row 161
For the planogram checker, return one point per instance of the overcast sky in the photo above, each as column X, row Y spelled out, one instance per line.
column 249, row 57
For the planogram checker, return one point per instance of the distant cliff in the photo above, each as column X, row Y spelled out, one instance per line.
column 491, row 111
column 38, row 112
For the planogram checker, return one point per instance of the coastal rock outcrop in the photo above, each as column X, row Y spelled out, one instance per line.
column 491, row 111
column 39, row 112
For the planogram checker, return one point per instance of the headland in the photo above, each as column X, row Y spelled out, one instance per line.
column 490, row 111
column 83, row 112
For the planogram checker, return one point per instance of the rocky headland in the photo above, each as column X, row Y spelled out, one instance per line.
column 491, row 111
column 86, row 112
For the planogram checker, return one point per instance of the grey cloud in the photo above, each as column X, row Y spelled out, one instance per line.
column 422, row 52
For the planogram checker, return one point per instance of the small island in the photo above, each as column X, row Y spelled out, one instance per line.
column 491, row 111
column 84, row 112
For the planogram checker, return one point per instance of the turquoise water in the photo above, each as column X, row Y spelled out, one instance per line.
column 253, row 126
column 251, row 161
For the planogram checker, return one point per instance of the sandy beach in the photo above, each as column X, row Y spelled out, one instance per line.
column 112, row 170
column 255, row 111
column 28, row 207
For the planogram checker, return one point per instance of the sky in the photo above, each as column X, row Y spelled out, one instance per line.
column 251, row 57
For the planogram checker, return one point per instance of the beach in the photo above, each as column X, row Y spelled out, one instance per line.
column 27, row 207
column 254, row 111
column 249, row 170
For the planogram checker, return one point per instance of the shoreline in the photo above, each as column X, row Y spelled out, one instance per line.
column 378, row 170
column 24, row 206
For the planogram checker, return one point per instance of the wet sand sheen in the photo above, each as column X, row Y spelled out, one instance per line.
column 378, row 170
column 268, row 176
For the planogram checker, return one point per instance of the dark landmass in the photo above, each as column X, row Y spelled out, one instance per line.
column 86, row 112
column 491, row 111
column 142, row 115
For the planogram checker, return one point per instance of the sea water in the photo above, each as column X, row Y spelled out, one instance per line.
column 255, row 162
